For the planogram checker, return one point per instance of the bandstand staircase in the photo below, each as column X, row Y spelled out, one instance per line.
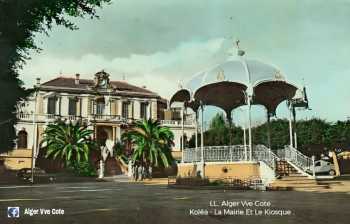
column 289, row 178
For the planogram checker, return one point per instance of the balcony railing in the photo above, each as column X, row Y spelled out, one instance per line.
column 95, row 117
column 38, row 117
column 103, row 117
column 52, row 117
column 177, row 122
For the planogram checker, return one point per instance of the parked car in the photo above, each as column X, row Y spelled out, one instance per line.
column 26, row 173
column 323, row 167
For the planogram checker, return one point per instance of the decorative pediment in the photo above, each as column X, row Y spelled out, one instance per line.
column 101, row 80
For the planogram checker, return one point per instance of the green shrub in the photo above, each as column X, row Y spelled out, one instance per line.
column 83, row 168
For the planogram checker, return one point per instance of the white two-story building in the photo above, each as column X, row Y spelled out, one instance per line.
column 109, row 107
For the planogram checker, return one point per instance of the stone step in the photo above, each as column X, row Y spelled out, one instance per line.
column 310, row 188
column 284, row 188
column 277, row 188
column 295, row 178
column 299, row 185
column 286, row 173
column 292, row 182
column 297, row 175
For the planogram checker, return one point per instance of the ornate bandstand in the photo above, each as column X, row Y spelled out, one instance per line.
column 241, row 82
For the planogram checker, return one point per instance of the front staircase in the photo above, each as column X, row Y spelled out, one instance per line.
column 289, row 178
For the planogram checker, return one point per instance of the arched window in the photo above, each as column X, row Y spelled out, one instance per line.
column 22, row 139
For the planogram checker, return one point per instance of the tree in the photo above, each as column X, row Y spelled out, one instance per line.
column 220, row 133
column 279, row 130
column 71, row 142
column 20, row 20
column 152, row 144
column 313, row 135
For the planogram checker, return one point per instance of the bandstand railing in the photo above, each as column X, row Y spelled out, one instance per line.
column 262, row 153
column 215, row 154
column 233, row 153
column 292, row 155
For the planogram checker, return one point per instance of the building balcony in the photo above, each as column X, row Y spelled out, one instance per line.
column 39, row 117
column 107, row 118
column 29, row 117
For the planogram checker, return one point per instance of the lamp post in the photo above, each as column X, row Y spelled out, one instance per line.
column 182, row 133
column 248, row 95
column 34, row 139
column 202, row 140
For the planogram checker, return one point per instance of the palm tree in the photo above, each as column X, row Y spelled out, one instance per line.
column 152, row 144
column 70, row 141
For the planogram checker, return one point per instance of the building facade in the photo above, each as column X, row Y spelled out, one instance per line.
column 109, row 108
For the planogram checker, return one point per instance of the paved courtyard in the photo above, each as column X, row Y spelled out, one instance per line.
column 118, row 202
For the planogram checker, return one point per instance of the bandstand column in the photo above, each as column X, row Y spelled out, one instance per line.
column 245, row 143
column 268, row 130
column 182, row 133
column 248, row 94
column 295, row 129
column 202, row 137
column 290, row 126
column 196, row 132
column 250, row 129
column 202, row 142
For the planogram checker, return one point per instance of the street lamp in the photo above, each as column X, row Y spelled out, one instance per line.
column 248, row 97
column 34, row 138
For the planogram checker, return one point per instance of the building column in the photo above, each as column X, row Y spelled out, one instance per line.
column 59, row 105
column 114, row 133
column 118, row 133
column 95, row 131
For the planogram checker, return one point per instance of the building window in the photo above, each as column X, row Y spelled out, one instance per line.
column 51, row 105
column 72, row 106
column 22, row 139
column 125, row 110
column 100, row 106
column 143, row 110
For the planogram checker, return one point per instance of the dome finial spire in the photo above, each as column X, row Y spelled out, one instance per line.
column 239, row 51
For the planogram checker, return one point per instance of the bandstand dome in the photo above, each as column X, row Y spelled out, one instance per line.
column 226, row 86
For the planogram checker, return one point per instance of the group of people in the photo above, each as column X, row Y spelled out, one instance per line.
column 141, row 172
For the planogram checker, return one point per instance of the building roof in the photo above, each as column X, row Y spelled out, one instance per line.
column 68, row 84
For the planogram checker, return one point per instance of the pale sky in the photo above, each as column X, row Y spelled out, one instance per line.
column 161, row 43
